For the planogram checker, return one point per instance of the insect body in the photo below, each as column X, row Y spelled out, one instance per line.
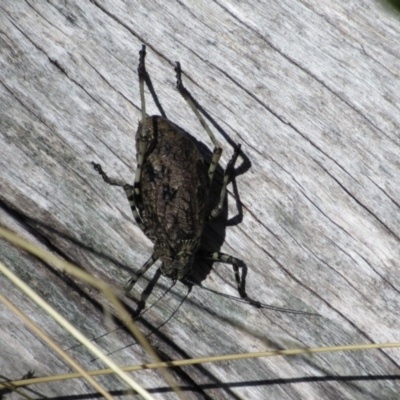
column 174, row 191
column 169, row 198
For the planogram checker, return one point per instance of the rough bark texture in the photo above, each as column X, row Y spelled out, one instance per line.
column 311, row 90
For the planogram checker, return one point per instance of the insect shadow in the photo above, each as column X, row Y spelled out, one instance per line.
column 8, row 388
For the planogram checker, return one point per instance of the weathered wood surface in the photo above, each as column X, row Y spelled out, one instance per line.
column 310, row 89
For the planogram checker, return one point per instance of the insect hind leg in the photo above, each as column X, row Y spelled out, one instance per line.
column 227, row 176
column 236, row 264
column 188, row 97
column 144, row 139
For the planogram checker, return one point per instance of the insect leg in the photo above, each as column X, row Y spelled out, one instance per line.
column 128, row 192
column 142, row 271
column 188, row 97
column 228, row 172
column 142, row 78
column 144, row 139
column 106, row 178
column 236, row 264
column 133, row 192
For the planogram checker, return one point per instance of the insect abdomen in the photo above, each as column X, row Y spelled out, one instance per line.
column 174, row 184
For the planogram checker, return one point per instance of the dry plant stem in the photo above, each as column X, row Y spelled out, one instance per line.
column 77, row 272
column 63, row 265
column 11, row 388
column 73, row 270
column 74, row 332
column 33, row 327
column 229, row 357
column 126, row 318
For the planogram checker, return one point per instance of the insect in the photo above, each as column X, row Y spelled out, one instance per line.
column 169, row 197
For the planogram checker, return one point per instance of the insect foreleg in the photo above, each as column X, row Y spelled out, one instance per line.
column 128, row 192
column 106, row 178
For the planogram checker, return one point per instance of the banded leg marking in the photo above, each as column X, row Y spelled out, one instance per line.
column 187, row 96
column 236, row 264
column 128, row 192
column 141, row 272
column 227, row 175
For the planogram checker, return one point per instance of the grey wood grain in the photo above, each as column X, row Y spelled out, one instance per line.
column 310, row 89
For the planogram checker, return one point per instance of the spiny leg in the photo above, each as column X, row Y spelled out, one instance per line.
column 150, row 86
column 227, row 175
column 144, row 139
column 142, row 78
column 141, row 304
column 188, row 97
column 128, row 192
column 236, row 264
column 141, row 272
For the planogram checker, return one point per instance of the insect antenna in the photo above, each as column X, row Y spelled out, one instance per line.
column 135, row 317
column 156, row 328
column 253, row 303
